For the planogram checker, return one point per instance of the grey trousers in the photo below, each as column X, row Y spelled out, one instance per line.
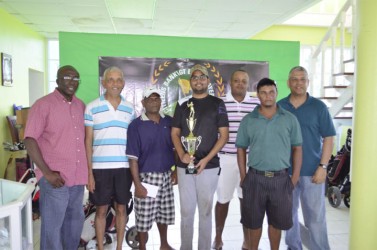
column 197, row 190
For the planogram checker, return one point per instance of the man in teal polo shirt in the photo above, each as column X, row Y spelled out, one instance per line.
column 318, row 134
column 273, row 136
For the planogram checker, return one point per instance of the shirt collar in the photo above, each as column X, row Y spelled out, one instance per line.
column 309, row 98
column 60, row 96
column 255, row 113
column 144, row 117
column 229, row 97
column 102, row 97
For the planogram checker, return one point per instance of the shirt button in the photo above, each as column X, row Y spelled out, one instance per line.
column 78, row 150
column 78, row 161
column 77, row 138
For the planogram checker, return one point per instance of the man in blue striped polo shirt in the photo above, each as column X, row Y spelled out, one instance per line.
column 238, row 104
column 106, row 122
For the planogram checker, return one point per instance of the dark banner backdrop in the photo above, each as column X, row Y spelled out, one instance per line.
column 172, row 77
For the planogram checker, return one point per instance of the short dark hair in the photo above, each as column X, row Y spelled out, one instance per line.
column 238, row 70
column 298, row 68
column 64, row 68
column 266, row 82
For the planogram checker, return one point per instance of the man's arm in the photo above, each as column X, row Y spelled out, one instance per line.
column 296, row 163
column 223, row 138
column 176, row 138
column 140, row 190
column 327, row 147
column 89, row 153
column 53, row 177
column 241, row 160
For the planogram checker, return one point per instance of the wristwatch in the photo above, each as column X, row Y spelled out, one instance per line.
column 324, row 166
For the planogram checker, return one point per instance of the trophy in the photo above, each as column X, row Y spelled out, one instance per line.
column 191, row 142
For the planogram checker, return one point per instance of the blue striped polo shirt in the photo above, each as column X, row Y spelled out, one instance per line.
column 109, row 132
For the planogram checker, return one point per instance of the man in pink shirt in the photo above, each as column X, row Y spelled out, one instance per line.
column 54, row 139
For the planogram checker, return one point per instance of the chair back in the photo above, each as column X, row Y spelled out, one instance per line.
column 11, row 119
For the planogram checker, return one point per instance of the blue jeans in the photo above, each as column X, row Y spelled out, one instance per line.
column 197, row 190
column 62, row 216
column 312, row 197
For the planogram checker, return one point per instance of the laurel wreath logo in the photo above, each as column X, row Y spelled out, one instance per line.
column 158, row 71
column 218, row 79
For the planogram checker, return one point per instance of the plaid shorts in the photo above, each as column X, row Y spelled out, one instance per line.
column 159, row 209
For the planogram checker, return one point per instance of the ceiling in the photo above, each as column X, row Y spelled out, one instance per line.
column 240, row 19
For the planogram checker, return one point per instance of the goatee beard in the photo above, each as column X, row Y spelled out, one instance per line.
column 200, row 91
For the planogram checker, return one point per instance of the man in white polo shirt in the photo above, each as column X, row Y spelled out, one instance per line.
column 238, row 104
column 106, row 122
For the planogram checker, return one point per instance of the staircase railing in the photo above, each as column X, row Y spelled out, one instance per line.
column 337, row 31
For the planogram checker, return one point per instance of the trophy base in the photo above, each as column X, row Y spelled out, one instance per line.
column 191, row 171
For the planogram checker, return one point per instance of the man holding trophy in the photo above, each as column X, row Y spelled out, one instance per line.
column 199, row 130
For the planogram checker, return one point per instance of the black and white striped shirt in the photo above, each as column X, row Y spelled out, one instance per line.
column 236, row 111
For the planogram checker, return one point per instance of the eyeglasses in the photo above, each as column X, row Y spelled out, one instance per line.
column 201, row 78
column 70, row 79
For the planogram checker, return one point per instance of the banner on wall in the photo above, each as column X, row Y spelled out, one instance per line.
column 172, row 77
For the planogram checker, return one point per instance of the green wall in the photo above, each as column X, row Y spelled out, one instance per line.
column 82, row 51
column 27, row 49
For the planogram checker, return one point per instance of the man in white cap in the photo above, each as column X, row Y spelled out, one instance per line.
column 210, row 121
column 151, row 156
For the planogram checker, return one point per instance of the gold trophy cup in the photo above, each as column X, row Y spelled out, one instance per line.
column 191, row 142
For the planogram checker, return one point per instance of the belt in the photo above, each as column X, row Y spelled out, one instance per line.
column 269, row 173
column 227, row 153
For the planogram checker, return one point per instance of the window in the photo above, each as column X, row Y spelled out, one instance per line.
column 52, row 63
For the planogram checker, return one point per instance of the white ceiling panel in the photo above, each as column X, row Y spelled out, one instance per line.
column 195, row 18
column 37, row 19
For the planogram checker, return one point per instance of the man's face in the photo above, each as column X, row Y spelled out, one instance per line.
column 298, row 82
column 152, row 104
column 199, row 82
column 267, row 96
column 68, row 82
column 114, row 83
column 239, row 83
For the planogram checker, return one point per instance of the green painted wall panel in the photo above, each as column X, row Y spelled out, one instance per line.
column 82, row 51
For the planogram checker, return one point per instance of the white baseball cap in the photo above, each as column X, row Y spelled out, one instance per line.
column 150, row 90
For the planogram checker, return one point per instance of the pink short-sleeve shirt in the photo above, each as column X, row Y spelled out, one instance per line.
column 58, row 127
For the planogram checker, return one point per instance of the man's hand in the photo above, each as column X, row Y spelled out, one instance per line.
column 319, row 175
column 186, row 158
column 174, row 177
column 91, row 183
column 140, row 191
column 294, row 180
column 201, row 165
column 54, row 178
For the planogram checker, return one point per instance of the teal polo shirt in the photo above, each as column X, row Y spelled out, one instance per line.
column 316, row 123
column 270, row 141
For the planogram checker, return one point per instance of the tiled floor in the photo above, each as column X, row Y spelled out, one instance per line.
column 337, row 222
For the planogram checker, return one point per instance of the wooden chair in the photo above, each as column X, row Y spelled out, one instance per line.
column 12, row 128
